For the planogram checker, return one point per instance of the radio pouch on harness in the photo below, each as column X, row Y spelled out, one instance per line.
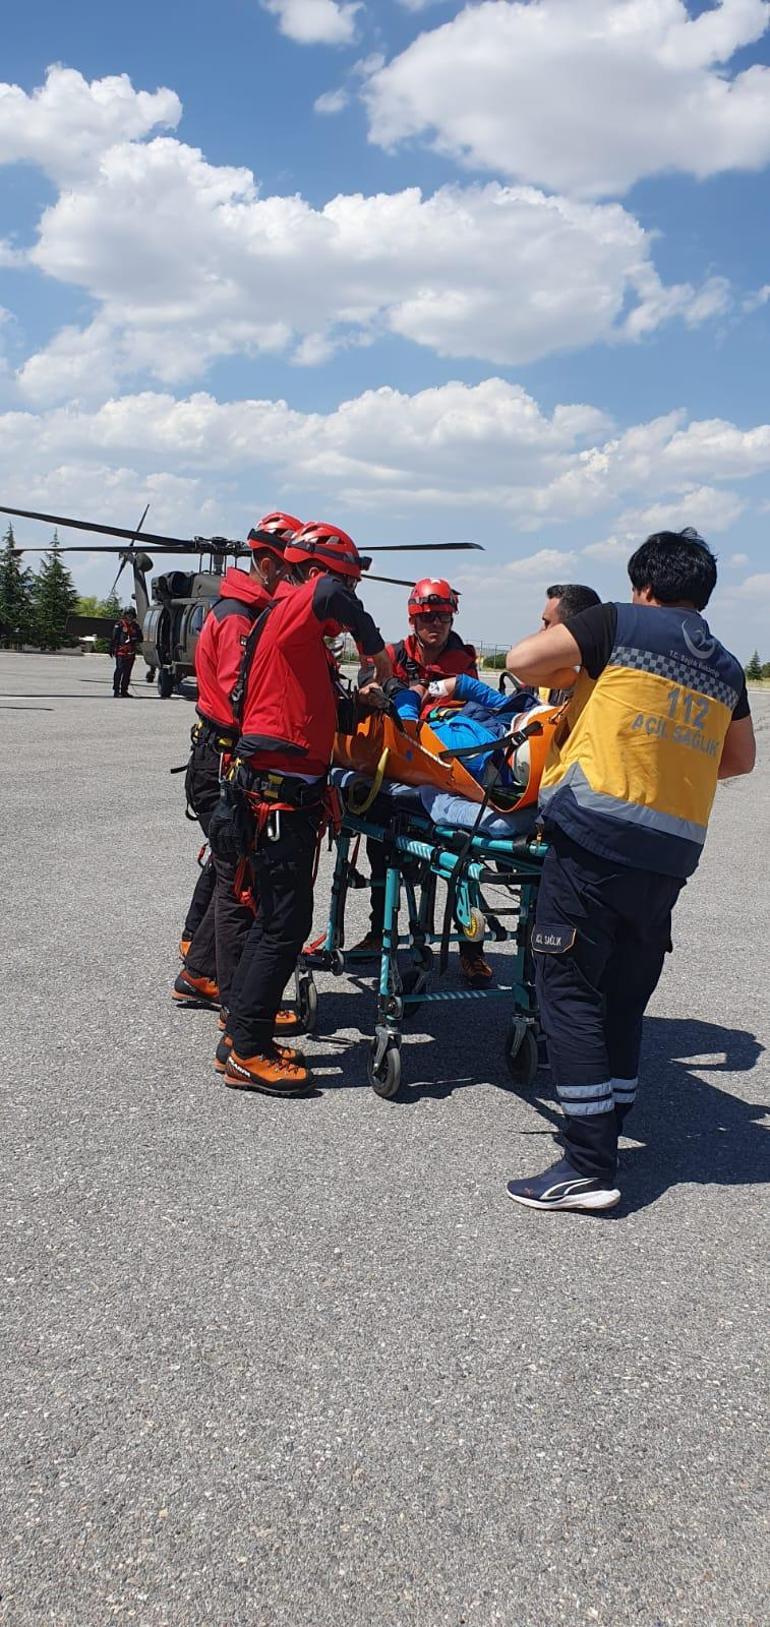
column 231, row 827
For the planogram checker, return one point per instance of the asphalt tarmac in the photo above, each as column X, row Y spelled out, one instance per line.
column 275, row 1364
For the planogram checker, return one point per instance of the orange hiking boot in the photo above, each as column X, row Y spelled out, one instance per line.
column 222, row 1053
column 272, row 1074
column 184, row 948
column 286, row 1022
column 196, row 991
column 475, row 969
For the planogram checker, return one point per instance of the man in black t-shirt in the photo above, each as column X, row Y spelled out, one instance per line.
column 625, row 801
column 563, row 601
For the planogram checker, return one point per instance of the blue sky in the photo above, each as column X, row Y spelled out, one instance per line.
column 536, row 315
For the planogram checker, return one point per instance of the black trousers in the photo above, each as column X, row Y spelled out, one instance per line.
column 203, row 893
column 375, row 853
column 218, row 939
column 602, row 932
column 284, row 890
column 121, row 677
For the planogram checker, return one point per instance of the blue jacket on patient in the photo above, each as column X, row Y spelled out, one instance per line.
column 485, row 716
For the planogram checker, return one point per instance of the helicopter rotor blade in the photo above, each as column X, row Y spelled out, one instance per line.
column 121, row 568
column 216, row 544
column 190, row 545
column 394, row 581
column 141, row 522
column 115, row 548
column 426, row 547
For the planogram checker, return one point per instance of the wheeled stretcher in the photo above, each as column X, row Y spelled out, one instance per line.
column 431, row 833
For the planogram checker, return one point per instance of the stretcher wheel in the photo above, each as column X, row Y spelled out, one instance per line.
column 521, row 1054
column 476, row 927
column 307, row 1003
column 385, row 1075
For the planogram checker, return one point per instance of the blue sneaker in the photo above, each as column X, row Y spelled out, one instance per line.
column 563, row 1187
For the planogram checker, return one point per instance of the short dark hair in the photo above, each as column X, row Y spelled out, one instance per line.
column 677, row 566
column 573, row 597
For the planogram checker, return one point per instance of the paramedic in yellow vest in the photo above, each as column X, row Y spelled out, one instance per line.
column 625, row 802
column 563, row 600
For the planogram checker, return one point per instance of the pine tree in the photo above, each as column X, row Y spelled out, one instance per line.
column 111, row 606
column 754, row 668
column 16, row 603
column 56, row 598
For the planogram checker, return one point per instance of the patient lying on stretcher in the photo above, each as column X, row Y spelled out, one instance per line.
column 468, row 712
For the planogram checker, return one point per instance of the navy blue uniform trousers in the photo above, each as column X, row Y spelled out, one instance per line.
column 602, row 931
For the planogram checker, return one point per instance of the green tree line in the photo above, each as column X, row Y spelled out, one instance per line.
column 34, row 605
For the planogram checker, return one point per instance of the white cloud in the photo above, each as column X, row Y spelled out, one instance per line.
column 582, row 96
column 457, row 462
column 506, row 274
column 476, row 271
column 755, row 301
column 547, row 562
column 737, row 559
column 707, row 508
column 315, row 22
column 487, row 449
column 755, row 588
column 331, row 101
column 66, row 124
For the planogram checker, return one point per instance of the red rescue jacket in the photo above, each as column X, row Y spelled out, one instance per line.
column 289, row 712
column 410, row 666
column 125, row 637
column 221, row 644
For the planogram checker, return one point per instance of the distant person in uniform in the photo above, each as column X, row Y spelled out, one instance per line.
column 126, row 636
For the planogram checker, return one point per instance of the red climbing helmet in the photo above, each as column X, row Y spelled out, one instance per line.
column 432, row 593
column 272, row 532
column 325, row 545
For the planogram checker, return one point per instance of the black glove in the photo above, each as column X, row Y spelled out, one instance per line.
column 374, row 700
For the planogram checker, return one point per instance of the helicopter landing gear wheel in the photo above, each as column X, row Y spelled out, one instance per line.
column 307, row 1003
column 383, row 1067
column 165, row 684
column 521, row 1056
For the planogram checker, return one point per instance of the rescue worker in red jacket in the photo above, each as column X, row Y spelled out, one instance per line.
column 126, row 637
column 433, row 650
column 290, row 716
column 212, row 956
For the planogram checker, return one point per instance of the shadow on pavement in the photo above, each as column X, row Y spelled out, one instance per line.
column 694, row 1132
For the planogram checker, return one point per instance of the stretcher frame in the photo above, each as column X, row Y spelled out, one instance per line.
column 419, row 854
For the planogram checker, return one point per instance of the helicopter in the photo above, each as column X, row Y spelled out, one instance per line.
column 172, row 609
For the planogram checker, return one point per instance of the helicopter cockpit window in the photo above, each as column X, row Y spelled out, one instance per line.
column 198, row 617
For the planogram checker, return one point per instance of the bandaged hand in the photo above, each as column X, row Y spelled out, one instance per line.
column 442, row 689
